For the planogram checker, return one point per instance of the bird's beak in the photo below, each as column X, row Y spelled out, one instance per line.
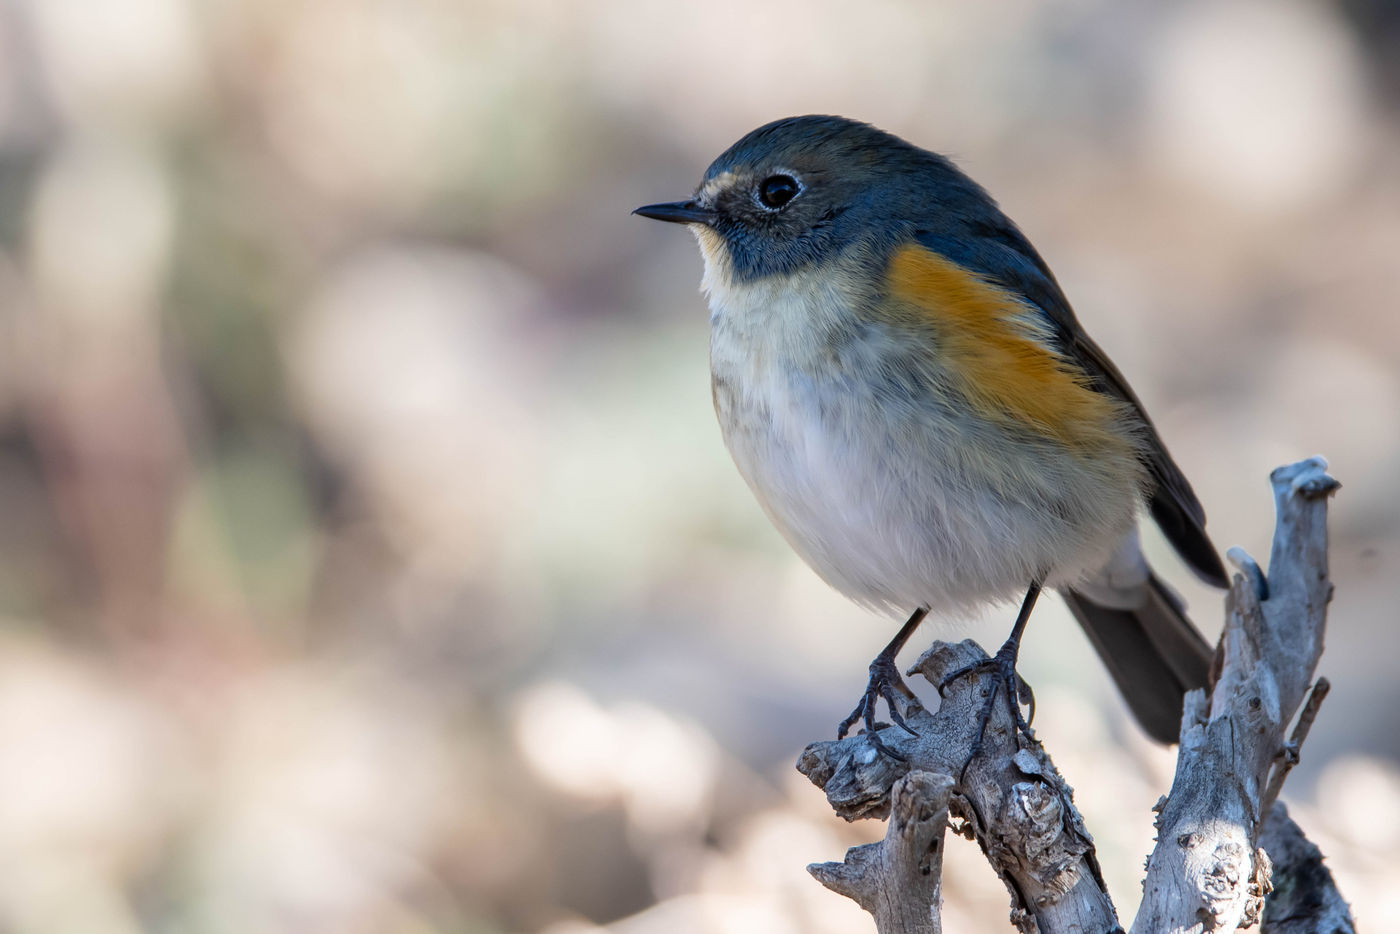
column 679, row 212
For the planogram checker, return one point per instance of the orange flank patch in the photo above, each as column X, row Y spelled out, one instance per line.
column 988, row 341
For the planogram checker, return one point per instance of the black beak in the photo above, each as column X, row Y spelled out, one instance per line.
column 679, row 212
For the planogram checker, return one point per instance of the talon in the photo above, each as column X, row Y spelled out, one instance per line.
column 880, row 747
column 898, row 717
column 1027, row 697
column 845, row 726
column 885, row 683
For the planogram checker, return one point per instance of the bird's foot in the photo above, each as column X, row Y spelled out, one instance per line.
column 1008, row 683
column 885, row 682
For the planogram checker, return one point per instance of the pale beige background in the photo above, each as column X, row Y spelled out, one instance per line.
column 369, row 560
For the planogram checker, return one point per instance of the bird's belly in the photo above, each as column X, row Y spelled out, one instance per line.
column 865, row 453
column 903, row 505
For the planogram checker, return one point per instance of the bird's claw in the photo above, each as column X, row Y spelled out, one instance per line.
column 885, row 683
column 1017, row 691
column 1009, row 684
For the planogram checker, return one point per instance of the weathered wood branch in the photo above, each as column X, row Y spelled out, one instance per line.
column 1010, row 799
column 912, row 851
column 1209, row 871
column 1305, row 899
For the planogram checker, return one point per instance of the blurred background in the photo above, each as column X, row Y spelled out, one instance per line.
column 369, row 558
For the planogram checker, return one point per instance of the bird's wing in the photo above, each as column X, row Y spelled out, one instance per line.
column 998, row 251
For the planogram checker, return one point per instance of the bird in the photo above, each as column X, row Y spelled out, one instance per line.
column 904, row 387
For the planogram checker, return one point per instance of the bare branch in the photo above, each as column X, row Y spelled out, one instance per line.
column 1210, row 870
column 898, row 880
column 1293, row 749
column 1011, row 799
column 1305, row 900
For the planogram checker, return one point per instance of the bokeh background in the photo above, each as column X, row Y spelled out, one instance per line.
column 369, row 558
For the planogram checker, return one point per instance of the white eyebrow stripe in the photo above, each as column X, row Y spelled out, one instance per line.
column 715, row 185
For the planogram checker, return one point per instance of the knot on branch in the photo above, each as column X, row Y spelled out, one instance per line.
column 1260, row 885
column 856, row 778
column 1034, row 836
column 1229, row 880
column 1215, row 864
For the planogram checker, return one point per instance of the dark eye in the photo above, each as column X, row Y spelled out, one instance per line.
column 777, row 190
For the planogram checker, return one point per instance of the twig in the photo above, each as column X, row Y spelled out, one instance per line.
column 1293, row 749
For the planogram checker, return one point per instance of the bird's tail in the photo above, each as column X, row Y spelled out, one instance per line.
column 1150, row 648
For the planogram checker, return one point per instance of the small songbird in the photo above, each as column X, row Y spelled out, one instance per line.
column 905, row 389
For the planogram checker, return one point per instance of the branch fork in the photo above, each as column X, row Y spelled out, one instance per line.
column 1211, row 868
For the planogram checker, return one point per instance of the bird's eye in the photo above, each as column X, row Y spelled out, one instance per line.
column 777, row 190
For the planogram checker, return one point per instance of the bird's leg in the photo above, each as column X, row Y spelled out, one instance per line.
column 1004, row 662
column 884, row 682
column 1005, row 658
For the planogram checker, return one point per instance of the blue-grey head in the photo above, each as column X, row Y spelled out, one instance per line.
column 800, row 190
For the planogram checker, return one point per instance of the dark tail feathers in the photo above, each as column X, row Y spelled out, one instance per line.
column 1152, row 651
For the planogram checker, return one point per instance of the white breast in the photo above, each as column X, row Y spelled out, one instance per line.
column 896, row 500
